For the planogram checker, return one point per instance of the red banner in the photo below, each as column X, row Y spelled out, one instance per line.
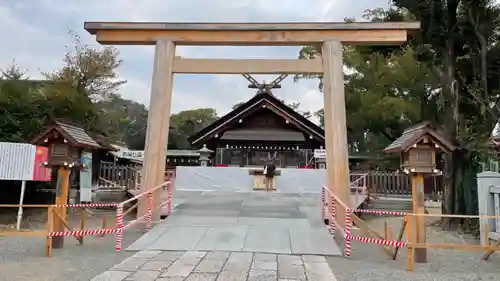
column 41, row 173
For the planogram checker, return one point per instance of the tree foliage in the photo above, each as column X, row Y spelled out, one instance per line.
column 188, row 122
column 89, row 70
column 447, row 74
column 85, row 90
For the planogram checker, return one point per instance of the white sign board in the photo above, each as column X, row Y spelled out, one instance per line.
column 132, row 154
column 320, row 153
column 17, row 161
column 86, row 178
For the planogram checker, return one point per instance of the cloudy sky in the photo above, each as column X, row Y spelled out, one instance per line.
column 35, row 34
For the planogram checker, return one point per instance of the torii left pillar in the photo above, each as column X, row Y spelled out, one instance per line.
column 337, row 158
column 158, row 124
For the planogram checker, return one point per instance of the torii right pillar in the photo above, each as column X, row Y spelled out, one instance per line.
column 337, row 157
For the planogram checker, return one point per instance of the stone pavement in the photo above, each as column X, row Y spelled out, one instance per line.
column 248, row 222
column 218, row 266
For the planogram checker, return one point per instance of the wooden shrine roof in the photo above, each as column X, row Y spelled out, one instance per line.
column 230, row 120
column 75, row 135
column 414, row 134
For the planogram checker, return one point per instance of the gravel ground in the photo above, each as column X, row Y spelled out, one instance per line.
column 369, row 263
column 23, row 258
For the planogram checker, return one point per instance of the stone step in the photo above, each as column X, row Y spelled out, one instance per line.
column 389, row 204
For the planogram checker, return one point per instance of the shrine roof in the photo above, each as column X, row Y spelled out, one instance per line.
column 75, row 135
column 415, row 133
column 230, row 120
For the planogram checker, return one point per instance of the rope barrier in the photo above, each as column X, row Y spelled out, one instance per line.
column 329, row 211
column 87, row 205
column 85, row 232
column 121, row 227
column 384, row 242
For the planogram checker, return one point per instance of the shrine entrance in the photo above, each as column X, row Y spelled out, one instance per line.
column 329, row 37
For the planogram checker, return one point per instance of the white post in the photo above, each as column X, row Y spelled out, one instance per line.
column 20, row 211
column 485, row 180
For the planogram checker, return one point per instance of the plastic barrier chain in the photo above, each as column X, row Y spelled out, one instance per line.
column 119, row 227
column 391, row 243
column 85, row 232
column 88, row 205
column 379, row 212
column 348, row 235
column 148, row 216
column 323, row 202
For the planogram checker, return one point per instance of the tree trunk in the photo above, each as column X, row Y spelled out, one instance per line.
column 452, row 185
column 453, row 168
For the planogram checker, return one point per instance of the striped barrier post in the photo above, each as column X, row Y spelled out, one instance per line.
column 119, row 227
column 149, row 216
column 323, row 202
column 334, row 215
column 169, row 196
column 347, row 232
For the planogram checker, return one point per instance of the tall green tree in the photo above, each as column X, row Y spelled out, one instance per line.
column 453, row 81
column 91, row 71
column 186, row 123
column 459, row 40
column 69, row 93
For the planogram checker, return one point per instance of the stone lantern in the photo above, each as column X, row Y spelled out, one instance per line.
column 204, row 155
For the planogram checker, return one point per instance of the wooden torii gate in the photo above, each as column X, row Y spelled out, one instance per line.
column 331, row 36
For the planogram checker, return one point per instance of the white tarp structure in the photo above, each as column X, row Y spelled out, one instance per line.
column 237, row 179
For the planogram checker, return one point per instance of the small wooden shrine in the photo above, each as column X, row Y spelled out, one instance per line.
column 418, row 148
column 79, row 140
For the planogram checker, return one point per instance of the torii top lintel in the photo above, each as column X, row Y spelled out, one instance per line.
column 248, row 34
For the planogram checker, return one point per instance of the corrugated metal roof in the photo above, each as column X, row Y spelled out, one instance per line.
column 263, row 135
column 78, row 134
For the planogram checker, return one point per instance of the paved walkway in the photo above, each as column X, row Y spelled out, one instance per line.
column 218, row 266
column 274, row 223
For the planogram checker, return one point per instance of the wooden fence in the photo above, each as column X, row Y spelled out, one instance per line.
column 392, row 183
column 112, row 175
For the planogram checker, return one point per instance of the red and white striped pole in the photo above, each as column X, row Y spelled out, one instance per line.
column 169, row 204
column 347, row 232
column 323, row 202
column 149, row 216
column 333, row 219
column 119, row 227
